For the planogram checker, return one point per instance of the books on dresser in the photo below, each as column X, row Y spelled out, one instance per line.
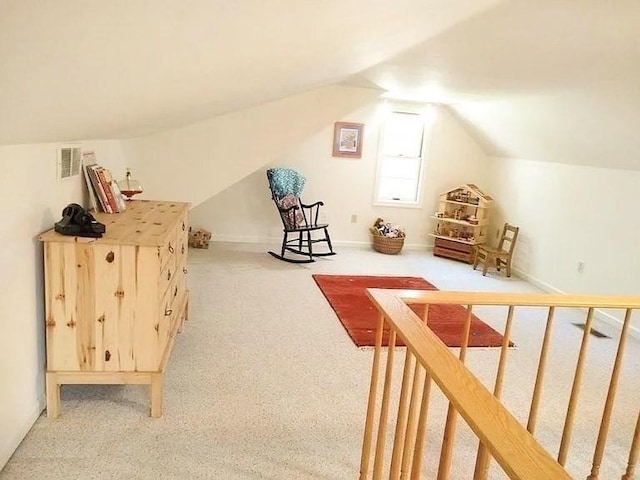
column 104, row 194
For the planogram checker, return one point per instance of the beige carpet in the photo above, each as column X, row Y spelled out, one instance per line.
column 264, row 383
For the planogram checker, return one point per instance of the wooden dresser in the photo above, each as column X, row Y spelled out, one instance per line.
column 114, row 304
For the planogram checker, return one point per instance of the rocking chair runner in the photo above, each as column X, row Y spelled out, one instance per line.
column 298, row 219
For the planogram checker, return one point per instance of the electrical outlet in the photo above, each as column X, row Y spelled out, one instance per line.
column 354, row 218
column 580, row 267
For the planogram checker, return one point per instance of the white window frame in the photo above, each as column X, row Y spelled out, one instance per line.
column 427, row 112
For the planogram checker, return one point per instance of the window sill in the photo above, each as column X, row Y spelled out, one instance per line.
column 397, row 204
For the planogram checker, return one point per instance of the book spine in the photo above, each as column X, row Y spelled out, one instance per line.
column 122, row 205
column 93, row 177
column 101, row 193
column 92, row 193
column 106, row 185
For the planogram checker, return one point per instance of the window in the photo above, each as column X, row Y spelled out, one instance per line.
column 400, row 161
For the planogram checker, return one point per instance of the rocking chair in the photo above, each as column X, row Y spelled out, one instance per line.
column 298, row 219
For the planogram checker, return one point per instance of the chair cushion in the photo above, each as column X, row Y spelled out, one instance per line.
column 285, row 181
column 293, row 218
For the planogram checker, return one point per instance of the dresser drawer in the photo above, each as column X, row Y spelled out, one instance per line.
column 182, row 244
column 167, row 275
column 168, row 250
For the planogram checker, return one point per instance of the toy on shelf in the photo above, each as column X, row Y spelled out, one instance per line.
column 461, row 222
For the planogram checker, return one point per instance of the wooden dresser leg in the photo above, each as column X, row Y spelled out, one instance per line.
column 156, row 395
column 53, row 395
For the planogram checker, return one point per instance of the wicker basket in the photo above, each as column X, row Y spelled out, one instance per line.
column 388, row 245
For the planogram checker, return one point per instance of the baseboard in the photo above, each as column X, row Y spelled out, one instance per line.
column 537, row 282
column 7, row 448
column 599, row 315
column 336, row 243
column 244, row 239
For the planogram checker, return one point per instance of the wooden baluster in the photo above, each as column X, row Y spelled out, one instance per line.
column 448, row 437
column 421, row 424
column 611, row 397
column 465, row 335
column 482, row 458
column 542, row 365
column 633, row 453
column 412, row 422
column 378, row 460
column 421, row 433
column 371, row 405
column 575, row 392
column 401, row 421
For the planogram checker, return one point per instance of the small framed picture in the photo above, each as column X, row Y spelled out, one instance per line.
column 347, row 139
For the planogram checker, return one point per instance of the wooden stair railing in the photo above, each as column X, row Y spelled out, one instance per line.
column 429, row 362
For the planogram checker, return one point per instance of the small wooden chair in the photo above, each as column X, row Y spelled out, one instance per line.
column 298, row 219
column 501, row 255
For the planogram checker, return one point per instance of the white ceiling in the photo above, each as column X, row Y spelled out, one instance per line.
column 553, row 80
column 76, row 69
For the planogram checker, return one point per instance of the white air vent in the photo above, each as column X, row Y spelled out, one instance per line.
column 68, row 162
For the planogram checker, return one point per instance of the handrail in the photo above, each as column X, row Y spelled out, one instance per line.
column 509, row 442
column 519, row 299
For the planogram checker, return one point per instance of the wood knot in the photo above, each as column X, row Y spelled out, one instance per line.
column 119, row 293
column 50, row 322
column 101, row 319
column 157, row 327
column 71, row 324
column 60, row 296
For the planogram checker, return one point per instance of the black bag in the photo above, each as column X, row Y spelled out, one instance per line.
column 79, row 223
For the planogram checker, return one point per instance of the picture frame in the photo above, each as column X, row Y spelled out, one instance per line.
column 347, row 139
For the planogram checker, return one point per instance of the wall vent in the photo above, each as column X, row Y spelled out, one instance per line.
column 68, row 162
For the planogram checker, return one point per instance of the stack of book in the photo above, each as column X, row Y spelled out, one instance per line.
column 104, row 194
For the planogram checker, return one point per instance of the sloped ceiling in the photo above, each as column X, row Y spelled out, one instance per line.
column 78, row 69
column 550, row 80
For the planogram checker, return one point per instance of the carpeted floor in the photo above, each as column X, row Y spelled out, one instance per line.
column 347, row 296
column 264, row 383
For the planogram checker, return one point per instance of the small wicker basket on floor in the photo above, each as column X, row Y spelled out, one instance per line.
column 388, row 245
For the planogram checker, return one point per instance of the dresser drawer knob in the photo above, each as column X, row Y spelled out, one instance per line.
column 184, row 270
column 167, row 312
column 171, row 249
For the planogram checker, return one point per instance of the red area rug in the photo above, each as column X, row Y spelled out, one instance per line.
column 347, row 297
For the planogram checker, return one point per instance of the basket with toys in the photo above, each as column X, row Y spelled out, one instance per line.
column 387, row 237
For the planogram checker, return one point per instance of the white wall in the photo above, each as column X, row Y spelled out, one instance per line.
column 569, row 214
column 244, row 211
column 32, row 200
column 198, row 161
